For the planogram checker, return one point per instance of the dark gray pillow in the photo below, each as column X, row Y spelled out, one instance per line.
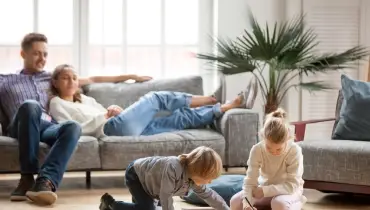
column 354, row 120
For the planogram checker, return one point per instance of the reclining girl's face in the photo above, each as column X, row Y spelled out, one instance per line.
column 67, row 82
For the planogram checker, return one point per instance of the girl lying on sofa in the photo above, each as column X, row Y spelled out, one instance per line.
column 188, row 111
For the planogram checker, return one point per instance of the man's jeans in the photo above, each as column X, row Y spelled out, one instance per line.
column 143, row 201
column 140, row 118
column 28, row 127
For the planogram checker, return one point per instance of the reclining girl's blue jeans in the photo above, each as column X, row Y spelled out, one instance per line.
column 140, row 118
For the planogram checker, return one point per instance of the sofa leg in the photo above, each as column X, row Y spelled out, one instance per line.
column 226, row 168
column 88, row 179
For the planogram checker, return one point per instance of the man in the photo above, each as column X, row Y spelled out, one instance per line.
column 24, row 98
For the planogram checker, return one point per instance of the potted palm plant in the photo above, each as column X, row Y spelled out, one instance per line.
column 277, row 56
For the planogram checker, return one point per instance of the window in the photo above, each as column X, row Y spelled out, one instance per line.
column 36, row 17
column 12, row 36
column 158, row 39
column 146, row 37
column 340, row 31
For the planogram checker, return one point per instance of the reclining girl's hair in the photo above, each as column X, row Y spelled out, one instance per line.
column 53, row 91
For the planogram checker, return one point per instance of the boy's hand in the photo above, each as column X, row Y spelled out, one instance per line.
column 258, row 193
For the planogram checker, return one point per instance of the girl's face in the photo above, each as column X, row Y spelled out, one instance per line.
column 274, row 148
column 66, row 83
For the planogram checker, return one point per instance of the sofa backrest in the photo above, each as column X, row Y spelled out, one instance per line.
column 125, row 94
column 337, row 110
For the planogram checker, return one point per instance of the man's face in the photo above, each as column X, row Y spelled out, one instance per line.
column 35, row 57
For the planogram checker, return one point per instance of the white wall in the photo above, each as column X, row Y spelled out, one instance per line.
column 232, row 20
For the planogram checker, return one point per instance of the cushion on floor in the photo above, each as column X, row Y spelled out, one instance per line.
column 226, row 186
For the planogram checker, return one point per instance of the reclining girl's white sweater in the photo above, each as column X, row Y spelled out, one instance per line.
column 89, row 114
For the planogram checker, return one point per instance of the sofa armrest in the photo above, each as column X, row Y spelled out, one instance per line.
column 300, row 127
column 240, row 129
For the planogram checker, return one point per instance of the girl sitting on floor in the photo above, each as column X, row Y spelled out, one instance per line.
column 278, row 160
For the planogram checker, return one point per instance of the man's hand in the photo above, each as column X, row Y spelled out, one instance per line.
column 258, row 193
column 142, row 78
column 113, row 111
column 250, row 208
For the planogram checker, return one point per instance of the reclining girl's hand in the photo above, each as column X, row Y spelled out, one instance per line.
column 114, row 110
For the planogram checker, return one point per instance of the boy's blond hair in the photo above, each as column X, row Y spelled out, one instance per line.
column 202, row 162
column 276, row 128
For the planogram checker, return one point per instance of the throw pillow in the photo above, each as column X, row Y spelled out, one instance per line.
column 226, row 186
column 354, row 119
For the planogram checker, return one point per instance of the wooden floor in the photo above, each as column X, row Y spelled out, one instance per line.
column 73, row 195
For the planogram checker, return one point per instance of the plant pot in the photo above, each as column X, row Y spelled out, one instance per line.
column 272, row 104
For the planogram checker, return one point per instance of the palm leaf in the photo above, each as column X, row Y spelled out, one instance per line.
column 287, row 49
column 332, row 61
column 230, row 59
column 314, row 86
column 309, row 86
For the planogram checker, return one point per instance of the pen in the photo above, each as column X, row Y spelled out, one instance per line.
column 248, row 202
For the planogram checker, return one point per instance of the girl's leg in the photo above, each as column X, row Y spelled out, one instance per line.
column 187, row 118
column 198, row 101
column 134, row 119
column 184, row 118
column 287, row 202
column 236, row 202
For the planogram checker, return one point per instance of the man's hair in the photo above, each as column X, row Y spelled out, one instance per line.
column 202, row 162
column 30, row 38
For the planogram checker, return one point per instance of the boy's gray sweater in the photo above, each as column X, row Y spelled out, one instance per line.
column 165, row 177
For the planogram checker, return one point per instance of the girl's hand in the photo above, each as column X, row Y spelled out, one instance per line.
column 258, row 193
column 143, row 78
column 114, row 110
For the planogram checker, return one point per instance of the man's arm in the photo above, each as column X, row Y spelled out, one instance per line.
column 112, row 79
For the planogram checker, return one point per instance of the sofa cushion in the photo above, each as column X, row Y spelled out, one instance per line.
column 344, row 161
column 86, row 155
column 354, row 120
column 226, row 186
column 125, row 94
column 117, row 152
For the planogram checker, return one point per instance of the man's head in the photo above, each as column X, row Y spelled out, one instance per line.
column 34, row 52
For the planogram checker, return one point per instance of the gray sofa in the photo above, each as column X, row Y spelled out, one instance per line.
column 334, row 165
column 232, row 136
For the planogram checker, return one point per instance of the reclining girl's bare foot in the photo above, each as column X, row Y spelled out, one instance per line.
column 238, row 102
